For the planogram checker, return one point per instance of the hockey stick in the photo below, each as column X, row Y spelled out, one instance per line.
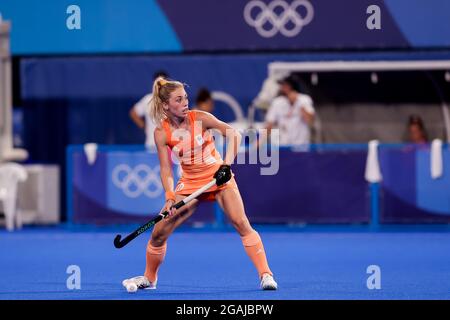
column 119, row 243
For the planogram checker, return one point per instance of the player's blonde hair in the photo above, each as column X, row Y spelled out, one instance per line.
column 162, row 88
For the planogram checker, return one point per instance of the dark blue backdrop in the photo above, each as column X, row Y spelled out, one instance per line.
column 309, row 187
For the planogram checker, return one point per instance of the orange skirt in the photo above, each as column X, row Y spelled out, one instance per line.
column 186, row 187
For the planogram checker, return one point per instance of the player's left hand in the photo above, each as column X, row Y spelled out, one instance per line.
column 223, row 175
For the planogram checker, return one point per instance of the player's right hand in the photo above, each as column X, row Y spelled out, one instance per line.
column 168, row 206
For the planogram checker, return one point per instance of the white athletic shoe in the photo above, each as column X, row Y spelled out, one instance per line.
column 141, row 282
column 268, row 283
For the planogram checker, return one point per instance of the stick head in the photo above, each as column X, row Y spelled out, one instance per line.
column 117, row 243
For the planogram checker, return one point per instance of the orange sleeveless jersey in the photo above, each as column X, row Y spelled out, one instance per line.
column 198, row 156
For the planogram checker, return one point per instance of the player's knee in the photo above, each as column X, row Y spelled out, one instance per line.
column 158, row 239
column 187, row 211
column 242, row 225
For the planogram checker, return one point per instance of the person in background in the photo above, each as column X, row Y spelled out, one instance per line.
column 416, row 130
column 292, row 113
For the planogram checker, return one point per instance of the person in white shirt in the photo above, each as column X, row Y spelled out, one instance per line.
column 139, row 113
column 292, row 113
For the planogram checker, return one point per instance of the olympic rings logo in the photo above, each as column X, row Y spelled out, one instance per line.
column 267, row 16
column 137, row 181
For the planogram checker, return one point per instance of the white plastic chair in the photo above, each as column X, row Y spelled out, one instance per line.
column 10, row 175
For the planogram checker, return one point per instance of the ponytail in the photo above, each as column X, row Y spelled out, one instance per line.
column 162, row 88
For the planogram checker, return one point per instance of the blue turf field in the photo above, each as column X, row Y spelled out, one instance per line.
column 213, row 265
